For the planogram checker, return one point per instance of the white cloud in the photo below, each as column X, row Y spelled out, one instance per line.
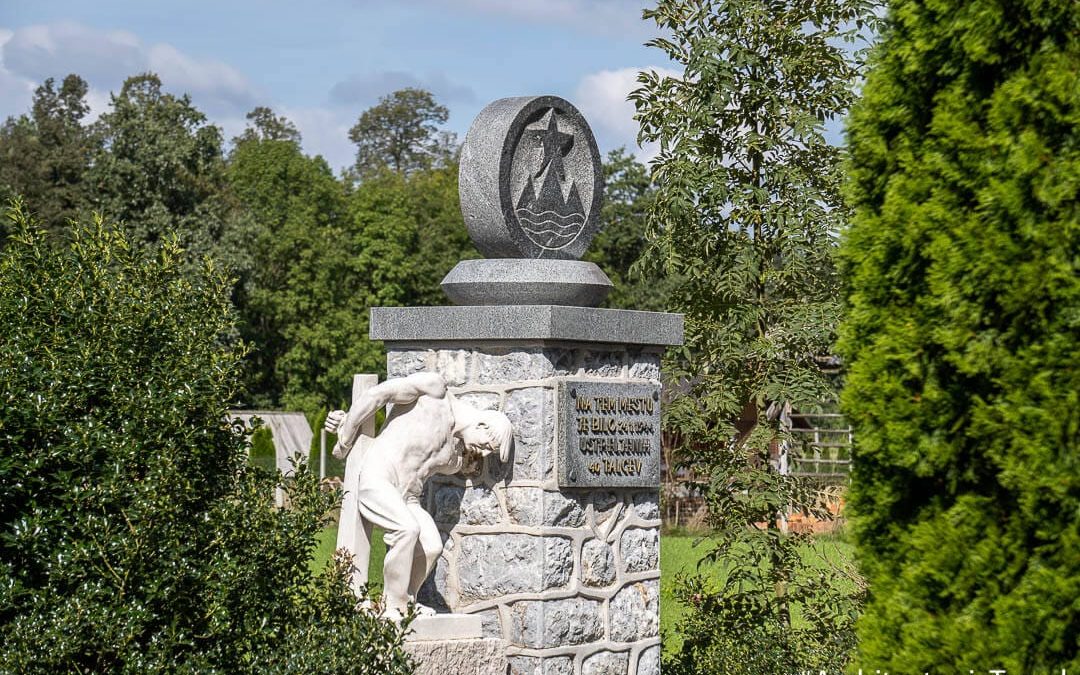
column 602, row 98
column 16, row 92
column 106, row 58
column 99, row 101
column 214, row 84
column 54, row 50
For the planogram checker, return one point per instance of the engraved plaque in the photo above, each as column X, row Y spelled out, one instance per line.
column 609, row 434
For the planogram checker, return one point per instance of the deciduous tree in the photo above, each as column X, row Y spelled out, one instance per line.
column 628, row 195
column 297, row 258
column 744, row 219
column 401, row 132
column 44, row 155
column 265, row 125
column 160, row 170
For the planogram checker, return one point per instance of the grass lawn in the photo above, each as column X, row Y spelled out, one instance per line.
column 325, row 550
column 678, row 553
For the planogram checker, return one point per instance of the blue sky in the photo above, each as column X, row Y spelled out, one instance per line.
column 321, row 63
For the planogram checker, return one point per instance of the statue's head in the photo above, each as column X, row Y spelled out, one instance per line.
column 490, row 432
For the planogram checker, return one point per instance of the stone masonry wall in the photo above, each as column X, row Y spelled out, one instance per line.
column 570, row 579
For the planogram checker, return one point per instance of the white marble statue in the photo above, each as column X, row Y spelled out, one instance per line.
column 428, row 431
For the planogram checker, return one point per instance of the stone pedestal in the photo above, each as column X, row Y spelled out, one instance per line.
column 567, row 576
column 454, row 643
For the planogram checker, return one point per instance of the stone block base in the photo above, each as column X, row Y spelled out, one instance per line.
column 566, row 579
column 460, row 657
column 446, row 627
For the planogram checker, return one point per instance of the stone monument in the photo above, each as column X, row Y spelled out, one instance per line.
column 554, row 547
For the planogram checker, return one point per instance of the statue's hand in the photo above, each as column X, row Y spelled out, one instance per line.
column 334, row 420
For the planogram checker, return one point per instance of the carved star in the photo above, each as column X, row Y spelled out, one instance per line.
column 555, row 145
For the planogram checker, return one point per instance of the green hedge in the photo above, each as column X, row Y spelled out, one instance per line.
column 963, row 338
column 134, row 537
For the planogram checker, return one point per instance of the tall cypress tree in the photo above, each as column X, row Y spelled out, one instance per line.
column 963, row 337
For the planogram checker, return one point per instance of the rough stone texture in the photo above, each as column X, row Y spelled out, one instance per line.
column 536, row 507
column 466, row 325
column 460, row 657
column 532, row 412
column 403, row 362
column 453, row 365
column 562, row 360
column 634, row 612
column 525, row 505
column 606, row 663
column 605, row 503
column 509, row 523
column 526, row 282
column 535, row 665
column 498, row 366
column 649, row 661
column 562, row 512
column 480, row 506
column 600, row 363
column 502, row 151
column 555, row 623
column 597, row 563
column 490, row 624
column 558, row 562
column 490, row 566
column 640, row 549
column 645, row 365
column 647, row 505
column 481, row 400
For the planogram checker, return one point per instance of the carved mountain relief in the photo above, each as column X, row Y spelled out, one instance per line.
column 552, row 218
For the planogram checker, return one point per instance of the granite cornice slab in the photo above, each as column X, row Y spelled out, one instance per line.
column 545, row 323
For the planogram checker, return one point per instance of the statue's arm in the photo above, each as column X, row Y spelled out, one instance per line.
column 401, row 390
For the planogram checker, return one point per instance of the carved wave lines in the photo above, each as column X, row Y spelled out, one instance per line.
column 550, row 229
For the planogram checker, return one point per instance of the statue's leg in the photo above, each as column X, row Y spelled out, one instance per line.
column 354, row 533
column 428, row 548
column 385, row 507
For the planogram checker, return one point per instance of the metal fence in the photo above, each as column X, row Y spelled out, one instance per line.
column 818, row 448
column 821, row 447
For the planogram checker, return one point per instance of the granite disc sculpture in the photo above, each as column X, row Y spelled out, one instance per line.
column 531, row 184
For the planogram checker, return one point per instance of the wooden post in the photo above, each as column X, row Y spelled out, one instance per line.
column 322, row 454
column 354, row 535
